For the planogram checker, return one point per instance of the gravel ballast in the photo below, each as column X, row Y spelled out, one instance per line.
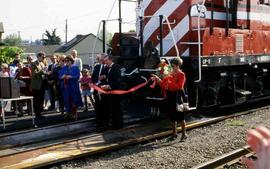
column 203, row 144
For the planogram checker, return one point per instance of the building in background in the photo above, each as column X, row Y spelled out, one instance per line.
column 48, row 49
column 84, row 45
column 34, row 49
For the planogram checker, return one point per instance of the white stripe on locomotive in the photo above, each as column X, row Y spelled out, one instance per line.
column 179, row 31
column 153, row 24
column 253, row 16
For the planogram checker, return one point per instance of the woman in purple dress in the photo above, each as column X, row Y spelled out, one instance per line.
column 69, row 76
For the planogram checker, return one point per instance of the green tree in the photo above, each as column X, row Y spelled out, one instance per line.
column 7, row 54
column 13, row 40
column 52, row 38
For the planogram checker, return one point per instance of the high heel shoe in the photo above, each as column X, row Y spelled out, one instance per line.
column 183, row 138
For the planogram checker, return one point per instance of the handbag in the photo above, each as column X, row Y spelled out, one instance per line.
column 180, row 105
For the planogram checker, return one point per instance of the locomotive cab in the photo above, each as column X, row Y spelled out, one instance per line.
column 225, row 46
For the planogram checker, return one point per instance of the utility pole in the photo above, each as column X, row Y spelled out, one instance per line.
column 66, row 30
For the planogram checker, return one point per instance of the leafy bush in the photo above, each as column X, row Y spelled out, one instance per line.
column 7, row 54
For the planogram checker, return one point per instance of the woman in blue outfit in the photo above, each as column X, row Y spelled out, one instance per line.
column 69, row 76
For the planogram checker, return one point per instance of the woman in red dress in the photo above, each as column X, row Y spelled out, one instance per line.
column 173, row 87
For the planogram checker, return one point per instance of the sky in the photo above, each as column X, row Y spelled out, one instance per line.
column 30, row 18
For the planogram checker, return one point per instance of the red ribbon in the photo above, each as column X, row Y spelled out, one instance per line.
column 163, row 90
column 120, row 91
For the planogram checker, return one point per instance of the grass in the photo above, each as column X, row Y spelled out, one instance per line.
column 235, row 123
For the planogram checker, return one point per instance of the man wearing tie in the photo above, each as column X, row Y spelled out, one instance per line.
column 113, row 107
column 51, row 82
column 99, row 78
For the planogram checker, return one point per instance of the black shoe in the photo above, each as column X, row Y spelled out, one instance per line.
column 183, row 138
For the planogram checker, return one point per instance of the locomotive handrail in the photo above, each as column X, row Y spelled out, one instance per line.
column 201, row 9
column 144, row 78
column 128, row 74
column 199, row 50
column 170, row 28
column 148, row 70
column 174, row 41
column 94, row 45
column 137, row 70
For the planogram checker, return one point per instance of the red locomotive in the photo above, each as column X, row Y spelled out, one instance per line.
column 225, row 45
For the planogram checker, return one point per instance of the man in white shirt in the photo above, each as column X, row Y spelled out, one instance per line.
column 77, row 61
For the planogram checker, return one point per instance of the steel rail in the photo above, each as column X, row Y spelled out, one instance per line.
column 101, row 142
column 226, row 159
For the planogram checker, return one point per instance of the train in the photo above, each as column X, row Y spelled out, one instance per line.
column 225, row 46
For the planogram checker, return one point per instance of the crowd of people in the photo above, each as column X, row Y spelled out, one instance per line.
column 57, row 82
column 66, row 86
column 63, row 81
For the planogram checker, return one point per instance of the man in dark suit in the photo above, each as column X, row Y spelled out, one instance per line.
column 38, row 70
column 51, row 82
column 113, row 83
column 99, row 78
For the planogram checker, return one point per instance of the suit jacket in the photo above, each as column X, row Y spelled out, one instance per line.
column 95, row 74
column 114, row 77
column 51, row 68
column 38, row 75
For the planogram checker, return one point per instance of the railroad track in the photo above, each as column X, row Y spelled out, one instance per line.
column 94, row 142
column 229, row 160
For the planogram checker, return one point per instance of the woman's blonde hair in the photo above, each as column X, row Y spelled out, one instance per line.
column 4, row 66
column 61, row 57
